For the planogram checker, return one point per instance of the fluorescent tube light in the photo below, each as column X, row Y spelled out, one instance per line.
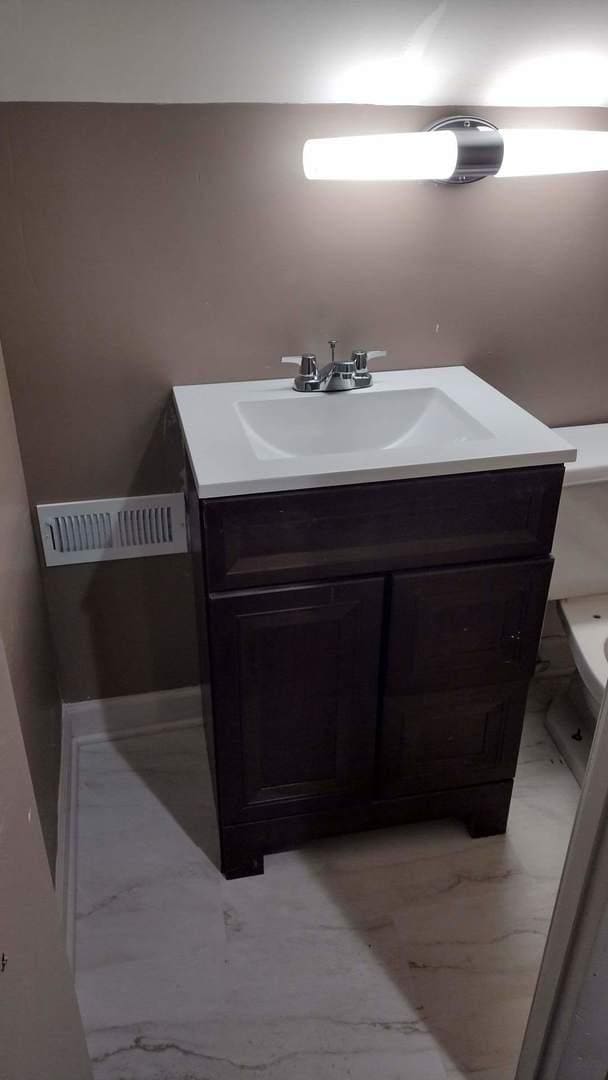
column 537, row 152
column 459, row 149
column 423, row 155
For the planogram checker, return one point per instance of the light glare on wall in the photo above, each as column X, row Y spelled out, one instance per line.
column 567, row 78
column 459, row 150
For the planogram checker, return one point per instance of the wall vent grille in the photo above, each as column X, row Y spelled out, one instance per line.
column 77, row 532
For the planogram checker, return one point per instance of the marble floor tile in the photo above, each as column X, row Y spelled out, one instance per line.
column 285, row 1050
column 542, row 690
column 476, row 919
column 455, row 1073
column 182, row 975
column 474, row 967
column 403, row 953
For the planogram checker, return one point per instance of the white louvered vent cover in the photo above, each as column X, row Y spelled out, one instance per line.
column 78, row 532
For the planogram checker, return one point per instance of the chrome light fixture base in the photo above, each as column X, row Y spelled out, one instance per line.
column 480, row 148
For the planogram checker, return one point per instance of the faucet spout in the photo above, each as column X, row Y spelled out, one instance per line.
column 326, row 372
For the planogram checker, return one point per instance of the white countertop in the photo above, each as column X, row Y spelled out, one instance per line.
column 226, row 460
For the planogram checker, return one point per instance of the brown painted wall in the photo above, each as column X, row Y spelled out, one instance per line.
column 142, row 246
column 41, row 1032
column 23, row 628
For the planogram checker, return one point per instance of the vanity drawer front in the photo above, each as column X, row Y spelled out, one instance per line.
column 430, row 742
column 465, row 627
column 372, row 528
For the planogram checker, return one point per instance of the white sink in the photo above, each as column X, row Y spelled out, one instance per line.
column 246, row 437
column 354, row 421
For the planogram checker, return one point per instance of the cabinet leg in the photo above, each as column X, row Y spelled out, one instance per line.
column 237, row 861
column 248, row 867
column 490, row 810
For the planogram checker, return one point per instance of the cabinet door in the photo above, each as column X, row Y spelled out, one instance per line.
column 462, row 646
column 472, row 626
column 430, row 742
column 295, row 692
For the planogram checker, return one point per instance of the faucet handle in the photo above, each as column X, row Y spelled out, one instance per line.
column 361, row 357
column 308, row 375
column 307, row 362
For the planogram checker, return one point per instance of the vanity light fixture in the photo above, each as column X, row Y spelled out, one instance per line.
column 456, row 150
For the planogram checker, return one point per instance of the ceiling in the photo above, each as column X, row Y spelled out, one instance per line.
column 475, row 52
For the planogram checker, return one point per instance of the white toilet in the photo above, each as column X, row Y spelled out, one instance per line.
column 580, row 585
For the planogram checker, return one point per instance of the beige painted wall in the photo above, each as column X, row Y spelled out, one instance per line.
column 142, row 246
column 384, row 51
column 23, row 626
column 41, row 1032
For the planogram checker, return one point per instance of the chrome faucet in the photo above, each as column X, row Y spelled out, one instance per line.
column 337, row 375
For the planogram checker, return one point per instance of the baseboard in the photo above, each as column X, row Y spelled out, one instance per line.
column 90, row 721
column 112, row 717
column 65, row 879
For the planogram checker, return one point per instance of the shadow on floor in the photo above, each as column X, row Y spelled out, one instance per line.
column 436, row 916
column 179, row 779
column 460, row 925
column 457, row 925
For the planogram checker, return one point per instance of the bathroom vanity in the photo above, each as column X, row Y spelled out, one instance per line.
column 367, row 643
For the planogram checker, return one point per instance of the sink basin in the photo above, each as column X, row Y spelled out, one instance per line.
column 305, row 425
column 250, row 437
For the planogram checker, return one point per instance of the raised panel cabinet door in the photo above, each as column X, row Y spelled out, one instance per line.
column 295, row 696
column 465, row 627
column 430, row 742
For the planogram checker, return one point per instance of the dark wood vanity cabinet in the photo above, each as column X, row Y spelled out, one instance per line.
column 369, row 650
